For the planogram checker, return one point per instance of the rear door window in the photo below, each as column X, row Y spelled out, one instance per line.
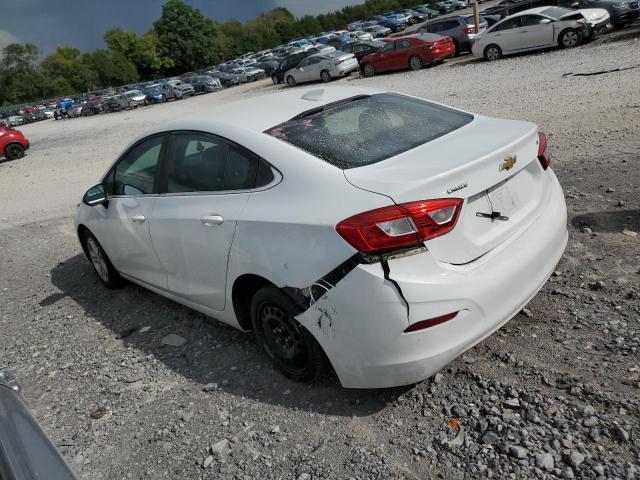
column 365, row 130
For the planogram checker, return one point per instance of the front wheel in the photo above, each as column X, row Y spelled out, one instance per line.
column 492, row 52
column 415, row 63
column 570, row 38
column 369, row 71
column 13, row 151
column 291, row 81
column 100, row 262
column 294, row 351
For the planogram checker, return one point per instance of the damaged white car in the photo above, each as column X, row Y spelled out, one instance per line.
column 541, row 27
column 378, row 233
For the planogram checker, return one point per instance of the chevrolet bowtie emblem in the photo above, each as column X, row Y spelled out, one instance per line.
column 508, row 163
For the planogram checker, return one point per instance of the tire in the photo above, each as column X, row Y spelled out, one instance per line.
column 291, row 81
column 569, row 38
column 368, row 70
column 294, row 351
column 14, row 151
column 415, row 63
column 103, row 267
column 325, row 76
column 274, row 79
column 492, row 52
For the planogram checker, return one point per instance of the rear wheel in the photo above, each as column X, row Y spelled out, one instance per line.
column 325, row 76
column 291, row 81
column 492, row 52
column 569, row 38
column 13, row 151
column 369, row 71
column 415, row 63
column 290, row 346
column 100, row 262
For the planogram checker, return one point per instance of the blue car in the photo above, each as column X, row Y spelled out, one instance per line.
column 394, row 24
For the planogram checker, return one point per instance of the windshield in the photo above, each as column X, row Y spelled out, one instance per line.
column 556, row 12
column 364, row 130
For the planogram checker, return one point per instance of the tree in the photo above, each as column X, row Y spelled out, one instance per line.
column 67, row 74
column 111, row 67
column 187, row 37
column 19, row 78
column 141, row 50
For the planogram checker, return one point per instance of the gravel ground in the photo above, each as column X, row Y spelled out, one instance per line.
column 553, row 394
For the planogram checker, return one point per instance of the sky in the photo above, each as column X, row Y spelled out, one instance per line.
column 81, row 23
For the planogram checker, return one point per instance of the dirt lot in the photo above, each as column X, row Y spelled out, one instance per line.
column 555, row 393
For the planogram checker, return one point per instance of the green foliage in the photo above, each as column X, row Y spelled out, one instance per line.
column 111, row 67
column 67, row 73
column 187, row 37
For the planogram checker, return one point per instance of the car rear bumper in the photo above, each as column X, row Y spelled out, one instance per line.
column 360, row 322
column 344, row 69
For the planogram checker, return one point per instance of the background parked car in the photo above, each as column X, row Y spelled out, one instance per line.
column 292, row 61
column 408, row 52
column 322, row 66
column 94, row 105
column 537, row 28
column 154, row 94
column 460, row 28
column 13, row 143
column 622, row 12
column 377, row 31
column 204, row 83
column 113, row 104
column 177, row 89
column 362, row 49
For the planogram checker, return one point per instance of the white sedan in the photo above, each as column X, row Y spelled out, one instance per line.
column 537, row 28
column 323, row 66
column 376, row 233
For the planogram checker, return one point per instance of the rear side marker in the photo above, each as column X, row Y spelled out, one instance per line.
column 432, row 322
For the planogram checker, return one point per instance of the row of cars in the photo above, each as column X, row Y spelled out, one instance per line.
column 510, row 27
column 135, row 96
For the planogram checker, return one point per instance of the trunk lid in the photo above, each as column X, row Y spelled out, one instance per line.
column 474, row 163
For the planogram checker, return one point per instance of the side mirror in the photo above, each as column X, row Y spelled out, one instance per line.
column 575, row 4
column 95, row 196
column 545, row 21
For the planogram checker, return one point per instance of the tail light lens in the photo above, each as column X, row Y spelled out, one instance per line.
column 543, row 151
column 468, row 30
column 398, row 226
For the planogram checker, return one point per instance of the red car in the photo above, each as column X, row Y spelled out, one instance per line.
column 12, row 143
column 411, row 51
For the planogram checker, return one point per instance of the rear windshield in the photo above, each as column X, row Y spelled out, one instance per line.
column 368, row 129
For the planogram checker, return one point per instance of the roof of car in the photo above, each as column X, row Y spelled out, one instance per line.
column 263, row 112
column 533, row 10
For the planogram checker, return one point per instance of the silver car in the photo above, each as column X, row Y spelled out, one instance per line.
column 322, row 66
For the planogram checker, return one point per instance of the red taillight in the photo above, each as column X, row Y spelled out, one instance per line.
column 399, row 226
column 469, row 30
column 432, row 322
column 543, row 151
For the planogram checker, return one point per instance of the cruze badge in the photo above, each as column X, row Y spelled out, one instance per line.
column 457, row 187
column 508, row 163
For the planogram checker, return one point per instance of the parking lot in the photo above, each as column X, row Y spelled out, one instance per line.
column 560, row 382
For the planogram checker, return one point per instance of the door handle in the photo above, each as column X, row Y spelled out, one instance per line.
column 211, row 220
column 525, row 31
column 137, row 218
